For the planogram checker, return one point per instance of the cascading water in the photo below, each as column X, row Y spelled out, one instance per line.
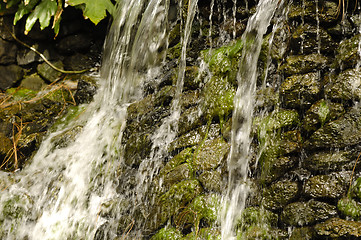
column 242, row 116
column 61, row 194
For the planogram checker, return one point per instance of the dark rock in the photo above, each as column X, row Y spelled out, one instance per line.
column 307, row 213
column 137, row 148
column 10, row 75
column 211, row 154
column 327, row 11
column 304, row 233
column 300, row 90
column 49, row 73
column 309, row 39
column 337, row 228
column 278, row 167
column 195, row 137
column 33, row 82
column 7, row 52
column 320, row 113
column 26, row 56
column 6, row 146
column 342, row 132
column 333, row 185
column 66, row 137
column 85, row 91
column 347, row 86
column 341, row 29
column 330, row 161
column 74, row 43
column 190, row 119
column 347, row 54
column 279, row 194
column 78, row 62
column 304, row 64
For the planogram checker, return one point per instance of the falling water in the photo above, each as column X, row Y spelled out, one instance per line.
column 61, row 194
column 242, row 116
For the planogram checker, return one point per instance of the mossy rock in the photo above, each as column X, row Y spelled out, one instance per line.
column 304, row 233
column 279, row 194
column 343, row 132
column 307, row 213
column 21, row 94
column 349, row 207
column 179, row 173
column 283, row 119
column 211, row 181
column 171, row 202
column 218, row 96
column 310, row 39
column 333, row 185
column 49, row 73
column 300, row 90
column 167, row 233
column 345, row 87
column 252, row 216
column 137, row 148
column 356, row 189
column 320, row 113
column 324, row 161
column 256, row 232
column 277, row 167
column 65, row 138
column 71, row 114
column 203, row 208
column 16, row 207
column 301, row 64
column 184, row 156
column 211, row 154
column 337, row 228
column 204, row 234
column 347, row 54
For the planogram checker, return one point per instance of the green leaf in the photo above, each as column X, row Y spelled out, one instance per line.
column 95, row 10
column 24, row 9
column 44, row 11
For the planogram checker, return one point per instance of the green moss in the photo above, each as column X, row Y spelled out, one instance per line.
column 203, row 207
column 349, row 207
column 277, row 120
column 204, row 234
column 184, row 156
column 21, row 94
column 72, row 113
column 218, row 98
column 356, row 189
column 16, row 207
column 167, row 234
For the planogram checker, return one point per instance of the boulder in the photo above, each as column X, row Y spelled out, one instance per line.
column 301, row 64
column 9, row 76
column 337, row 228
column 7, row 52
column 279, row 194
column 347, row 86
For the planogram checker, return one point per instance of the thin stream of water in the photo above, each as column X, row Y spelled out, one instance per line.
column 242, row 117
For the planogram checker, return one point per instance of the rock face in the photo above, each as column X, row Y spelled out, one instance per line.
column 306, row 131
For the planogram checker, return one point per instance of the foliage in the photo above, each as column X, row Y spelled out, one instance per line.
column 46, row 10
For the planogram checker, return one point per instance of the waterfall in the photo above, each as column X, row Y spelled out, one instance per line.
column 242, row 117
column 62, row 193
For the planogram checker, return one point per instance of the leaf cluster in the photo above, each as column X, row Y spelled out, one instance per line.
column 49, row 11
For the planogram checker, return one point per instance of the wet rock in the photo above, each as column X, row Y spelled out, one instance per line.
column 167, row 233
column 306, row 213
column 74, row 43
column 300, row 90
column 168, row 204
column 311, row 39
column 137, row 148
column 218, row 96
column 302, row 64
column 203, row 208
column 10, row 75
column 341, row 29
column 78, row 62
column 67, row 137
column 211, row 181
column 7, row 52
column 283, row 119
column 321, row 112
column 337, row 228
column 211, row 155
column 204, row 233
column 347, row 54
column 178, row 174
column 33, row 82
column 330, row 161
column 254, row 215
column 332, row 185
column 279, row 194
column 267, row 98
column 304, row 233
column 277, row 167
column 279, row 44
column 192, row 78
column 190, row 119
column 49, row 73
column 195, row 137
column 342, row 132
column 184, row 156
column 6, row 146
column 309, row 11
column 349, row 207
column 85, row 91
column 347, row 86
